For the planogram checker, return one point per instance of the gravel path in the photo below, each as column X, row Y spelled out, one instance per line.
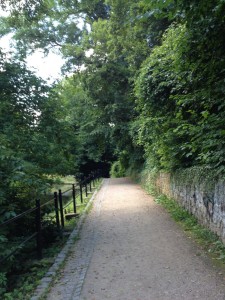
column 130, row 249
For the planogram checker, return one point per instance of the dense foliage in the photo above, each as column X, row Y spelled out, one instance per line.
column 180, row 93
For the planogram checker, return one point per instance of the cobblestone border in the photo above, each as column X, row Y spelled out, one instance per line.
column 45, row 282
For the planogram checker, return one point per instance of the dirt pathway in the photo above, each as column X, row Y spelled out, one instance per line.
column 130, row 249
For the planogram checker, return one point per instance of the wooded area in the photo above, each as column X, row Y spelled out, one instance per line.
column 147, row 88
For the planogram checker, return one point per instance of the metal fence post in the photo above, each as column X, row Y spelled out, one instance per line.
column 74, row 199
column 56, row 210
column 38, row 228
column 86, row 191
column 93, row 177
column 98, row 175
column 61, row 208
column 90, row 182
column 81, row 193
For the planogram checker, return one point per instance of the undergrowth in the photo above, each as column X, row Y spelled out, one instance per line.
column 30, row 273
column 22, row 284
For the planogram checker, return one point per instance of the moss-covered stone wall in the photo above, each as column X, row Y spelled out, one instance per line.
column 203, row 196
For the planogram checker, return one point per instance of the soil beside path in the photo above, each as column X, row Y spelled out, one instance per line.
column 130, row 249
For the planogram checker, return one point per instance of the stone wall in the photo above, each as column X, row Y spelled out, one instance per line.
column 207, row 204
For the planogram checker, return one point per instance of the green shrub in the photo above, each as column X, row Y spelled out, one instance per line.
column 117, row 170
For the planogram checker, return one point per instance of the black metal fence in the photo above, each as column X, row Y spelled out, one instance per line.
column 60, row 202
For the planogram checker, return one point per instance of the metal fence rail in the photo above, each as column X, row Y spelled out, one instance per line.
column 77, row 190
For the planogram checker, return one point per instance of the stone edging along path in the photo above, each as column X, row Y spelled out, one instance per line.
column 45, row 282
column 130, row 248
